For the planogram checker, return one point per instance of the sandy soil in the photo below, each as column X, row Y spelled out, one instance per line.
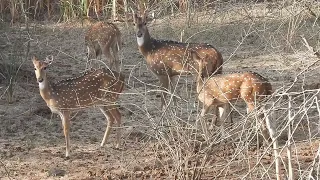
column 31, row 139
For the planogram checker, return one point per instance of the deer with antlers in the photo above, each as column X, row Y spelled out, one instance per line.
column 167, row 59
column 104, row 38
column 98, row 87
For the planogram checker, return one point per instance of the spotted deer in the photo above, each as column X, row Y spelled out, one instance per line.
column 98, row 87
column 167, row 59
column 222, row 89
column 104, row 38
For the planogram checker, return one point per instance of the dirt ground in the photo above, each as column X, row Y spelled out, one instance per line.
column 32, row 144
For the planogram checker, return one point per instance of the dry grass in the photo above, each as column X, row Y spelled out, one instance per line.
column 261, row 37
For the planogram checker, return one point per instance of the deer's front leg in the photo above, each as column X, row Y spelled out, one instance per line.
column 65, row 117
column 172, row 91
column 203, row 122
column 215, row 116
column 225, row 113
column 106, row 50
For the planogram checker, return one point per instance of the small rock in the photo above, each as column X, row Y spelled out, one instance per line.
column 137, row 168
column 56, row 172
column 308, row 159
column 267, row 157
column 139, row 173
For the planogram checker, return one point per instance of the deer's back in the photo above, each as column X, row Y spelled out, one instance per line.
column 259, row 84
column 101, row 32
column 86, row 90
column 115, row 81
column 233, row 86
column 174, row 58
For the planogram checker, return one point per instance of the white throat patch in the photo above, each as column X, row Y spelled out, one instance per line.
column 140, row 41
column 221, row 110
column 41, row 85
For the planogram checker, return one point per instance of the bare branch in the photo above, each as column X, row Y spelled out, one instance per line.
column 305, row 42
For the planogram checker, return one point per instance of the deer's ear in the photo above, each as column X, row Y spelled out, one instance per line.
column 48, row 60
column 34, row 59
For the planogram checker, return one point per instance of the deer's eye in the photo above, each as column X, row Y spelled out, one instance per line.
column 35, row 69
column 145, row 23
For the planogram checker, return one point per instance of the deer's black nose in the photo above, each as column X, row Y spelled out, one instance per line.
column 139, row 34
column 40, row 80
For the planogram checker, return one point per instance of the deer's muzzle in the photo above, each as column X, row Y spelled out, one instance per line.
column 139, row 34
column 40, row 80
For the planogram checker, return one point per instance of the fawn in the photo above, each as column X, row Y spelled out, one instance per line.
column 102, row 38
column 167, row 59
column 98, row 87
column 222, row 89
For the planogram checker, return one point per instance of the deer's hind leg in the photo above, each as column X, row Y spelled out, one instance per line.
column 117, row 115
column 172, row 91
column 164, row 83
column 112, row 114
column 268, row 127
column 271, row 129
column 115, row 51
column 260, row 119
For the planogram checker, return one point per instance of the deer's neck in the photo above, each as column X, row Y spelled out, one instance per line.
column 145, row 43
column 200, row 82
column 45, row 89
